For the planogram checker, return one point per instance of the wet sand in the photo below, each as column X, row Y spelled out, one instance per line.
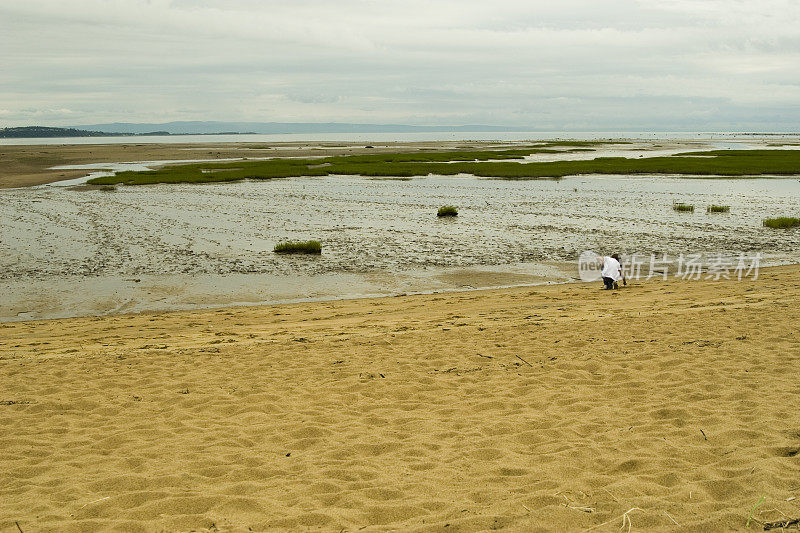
column 29, row 298
column 526, row 409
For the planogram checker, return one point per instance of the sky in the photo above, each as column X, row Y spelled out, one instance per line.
column 566, row 65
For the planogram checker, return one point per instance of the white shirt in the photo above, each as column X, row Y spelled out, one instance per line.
column 611, row 268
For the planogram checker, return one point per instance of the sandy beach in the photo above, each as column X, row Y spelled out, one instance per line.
column 666, row 405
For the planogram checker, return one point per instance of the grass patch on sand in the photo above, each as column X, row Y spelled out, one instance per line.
column 298, row 247
column 484, row 163
column 782, row 222
column 447, row 211
column 714, row 208
column 683, row 208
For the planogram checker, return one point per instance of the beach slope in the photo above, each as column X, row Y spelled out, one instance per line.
column 547, row 408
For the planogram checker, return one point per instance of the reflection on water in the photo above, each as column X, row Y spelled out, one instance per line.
column 371, row 226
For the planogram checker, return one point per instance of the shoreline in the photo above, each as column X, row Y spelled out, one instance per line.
column 461, row 280
column 113, row 296
column 516, row 408
column 368, row 298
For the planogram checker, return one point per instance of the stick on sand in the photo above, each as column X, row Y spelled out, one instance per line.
column 523, row 360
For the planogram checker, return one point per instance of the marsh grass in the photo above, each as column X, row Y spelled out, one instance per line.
column 714, row 208
column 108, row 188
column 683, row 208
column 782, row 222
column 298, row 247
column 447, row 211
column 485, row 163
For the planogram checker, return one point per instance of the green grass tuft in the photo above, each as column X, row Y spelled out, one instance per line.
column 298, row 247
column 753, row 510
column 782, row 222
column 683, row 208
column 447, row 211
column 713, row 208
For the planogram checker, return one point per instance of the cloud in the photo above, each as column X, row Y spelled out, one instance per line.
column 558, row 64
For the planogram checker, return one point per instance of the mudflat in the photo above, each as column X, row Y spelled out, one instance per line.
column 666, row 404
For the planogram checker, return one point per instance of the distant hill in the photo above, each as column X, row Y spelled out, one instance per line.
column 43, row 131
column 230, row 128
column 213, row 127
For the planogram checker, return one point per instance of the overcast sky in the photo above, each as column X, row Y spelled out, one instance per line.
column 663, row 65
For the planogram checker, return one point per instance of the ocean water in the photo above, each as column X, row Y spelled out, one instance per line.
column 402, row 137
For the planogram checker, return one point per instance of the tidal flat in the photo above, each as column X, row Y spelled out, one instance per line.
column 70, row 251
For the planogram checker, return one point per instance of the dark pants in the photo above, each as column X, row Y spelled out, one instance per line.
column 608, row 282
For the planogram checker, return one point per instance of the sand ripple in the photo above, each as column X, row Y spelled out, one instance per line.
column 554, row 408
